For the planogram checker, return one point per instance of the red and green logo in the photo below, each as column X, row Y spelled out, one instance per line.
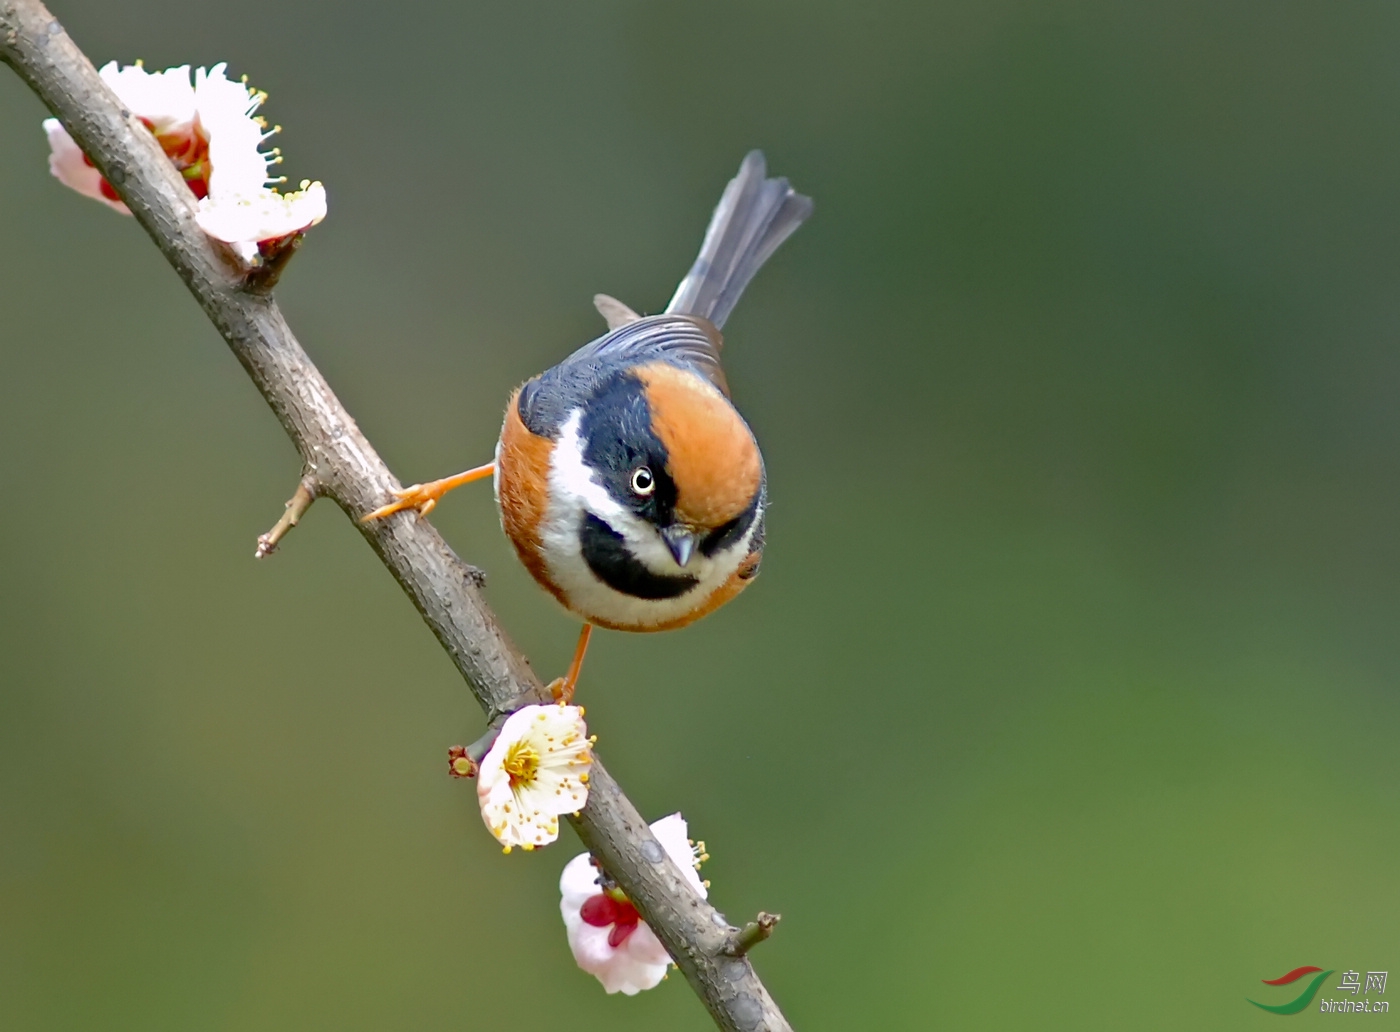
column 1304, row 998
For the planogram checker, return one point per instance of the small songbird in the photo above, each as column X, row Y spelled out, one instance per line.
column 631, row 487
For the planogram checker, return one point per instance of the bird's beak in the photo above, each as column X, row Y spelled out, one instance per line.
column 681, row 542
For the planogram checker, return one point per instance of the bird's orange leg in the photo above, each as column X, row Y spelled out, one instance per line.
column 562, row 688
column 424, row 497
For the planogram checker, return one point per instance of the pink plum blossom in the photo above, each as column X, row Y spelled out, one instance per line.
column 608, row 938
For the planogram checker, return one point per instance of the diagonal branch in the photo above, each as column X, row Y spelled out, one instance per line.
column 340, row 464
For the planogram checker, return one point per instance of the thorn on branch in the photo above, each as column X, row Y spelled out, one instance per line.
column 296, row 507
column 752, row 934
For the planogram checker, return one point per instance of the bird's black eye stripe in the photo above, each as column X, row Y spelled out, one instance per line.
column 726, row 534
column 605, row 551
column 618, row 442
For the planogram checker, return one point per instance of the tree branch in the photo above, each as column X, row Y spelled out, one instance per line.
column 340, row 464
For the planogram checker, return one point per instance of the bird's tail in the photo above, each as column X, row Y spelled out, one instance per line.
column 754, row 216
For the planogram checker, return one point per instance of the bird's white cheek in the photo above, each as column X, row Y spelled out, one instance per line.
column 574, row 491
column 572, row 487
column 496, row 474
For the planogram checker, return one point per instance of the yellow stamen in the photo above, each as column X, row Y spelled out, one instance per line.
column 522, row 763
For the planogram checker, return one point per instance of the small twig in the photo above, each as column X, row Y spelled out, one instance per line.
column 753, row 933
column 463, row 761
column 296, row 508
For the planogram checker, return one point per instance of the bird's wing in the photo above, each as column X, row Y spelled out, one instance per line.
column 545, row 402
column 682, row 339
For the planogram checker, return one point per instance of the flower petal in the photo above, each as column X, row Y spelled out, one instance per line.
column 579, row 881
column 165, row 99
column 671, row 832
column 238, row 165
column 70, row 166
column 620, row 970
column 643, row 947
column 264, row 215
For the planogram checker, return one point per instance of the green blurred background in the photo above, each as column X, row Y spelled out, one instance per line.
column 1067, row 698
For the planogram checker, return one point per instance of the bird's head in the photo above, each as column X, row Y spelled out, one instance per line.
column 681, row 473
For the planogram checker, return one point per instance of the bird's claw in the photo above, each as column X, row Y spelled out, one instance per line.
column 421, row 497
column 560, row 690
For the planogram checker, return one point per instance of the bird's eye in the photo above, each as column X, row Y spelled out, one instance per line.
column 643, row 483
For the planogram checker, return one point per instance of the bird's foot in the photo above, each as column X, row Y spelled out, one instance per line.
column 561, row 689
column 424, row 497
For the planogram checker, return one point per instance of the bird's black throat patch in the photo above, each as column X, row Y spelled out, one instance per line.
column 605, row 551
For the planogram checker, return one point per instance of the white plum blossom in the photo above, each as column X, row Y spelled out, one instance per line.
column 244, row 219
column 608, row 938
column 536, row 770
column 209, row 131
column 163, row 100
column 237, row 162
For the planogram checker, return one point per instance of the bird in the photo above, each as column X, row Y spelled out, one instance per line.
column 631, row 487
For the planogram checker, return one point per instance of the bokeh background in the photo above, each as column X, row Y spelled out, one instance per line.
column 1068, row 695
